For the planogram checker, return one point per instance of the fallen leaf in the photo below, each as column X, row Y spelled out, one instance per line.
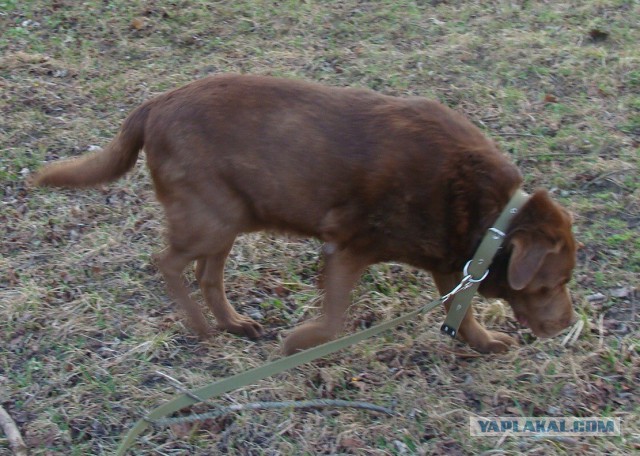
column 328, row 380
column 358, row 383
column 598, row 35
column 280, row 291
column 12, row 278
column 550, row 98
column 182, row 430
column 138, row 23
column 352, row 443
column 30, row 58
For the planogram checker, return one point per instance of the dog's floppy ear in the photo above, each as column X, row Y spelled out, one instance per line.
column 527, row 255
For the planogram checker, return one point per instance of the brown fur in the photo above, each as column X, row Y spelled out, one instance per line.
column 377, row 178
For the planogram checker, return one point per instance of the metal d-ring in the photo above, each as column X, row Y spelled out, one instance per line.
column 465, row 273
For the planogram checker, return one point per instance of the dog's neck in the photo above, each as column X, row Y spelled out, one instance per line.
column 474, row 210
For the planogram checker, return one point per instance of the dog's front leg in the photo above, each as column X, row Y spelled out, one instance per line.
column 476, row 335
column 343, row 268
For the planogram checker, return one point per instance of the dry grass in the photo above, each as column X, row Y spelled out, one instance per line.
column 85, row 321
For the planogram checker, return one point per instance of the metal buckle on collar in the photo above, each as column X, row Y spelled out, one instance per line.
column 497, row 234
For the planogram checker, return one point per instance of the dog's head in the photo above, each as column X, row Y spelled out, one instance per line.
column 535, row 264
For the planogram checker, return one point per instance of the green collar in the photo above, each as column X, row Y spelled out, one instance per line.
column 477, row 269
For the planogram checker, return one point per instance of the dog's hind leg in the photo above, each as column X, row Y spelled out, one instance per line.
column 202, row 225
column 209, row 272
column 195, row 230
column 342, row 270
column 172, row 264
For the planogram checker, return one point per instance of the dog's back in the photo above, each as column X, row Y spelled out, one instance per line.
column 272, row 145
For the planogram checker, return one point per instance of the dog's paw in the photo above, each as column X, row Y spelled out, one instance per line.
column 496, row 342
column 306, row 336
column 200, row 327
column 242, row 326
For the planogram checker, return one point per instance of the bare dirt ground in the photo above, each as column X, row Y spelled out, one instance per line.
column 86, row 325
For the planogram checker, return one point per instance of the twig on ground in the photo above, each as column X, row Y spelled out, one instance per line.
column 178, row 386
column 521, row 135
column 607, row 176
column 573, row 334
column 13, row 434
column 318, row 403
column 220, row 411
column 601, row 330
column 458, row 353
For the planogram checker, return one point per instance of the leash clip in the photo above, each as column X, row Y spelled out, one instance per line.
column 467, row 276
column 467, row 282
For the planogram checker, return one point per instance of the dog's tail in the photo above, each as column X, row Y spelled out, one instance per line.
column 102, row 166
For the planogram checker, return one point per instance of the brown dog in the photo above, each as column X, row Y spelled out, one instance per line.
column 377, row 178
